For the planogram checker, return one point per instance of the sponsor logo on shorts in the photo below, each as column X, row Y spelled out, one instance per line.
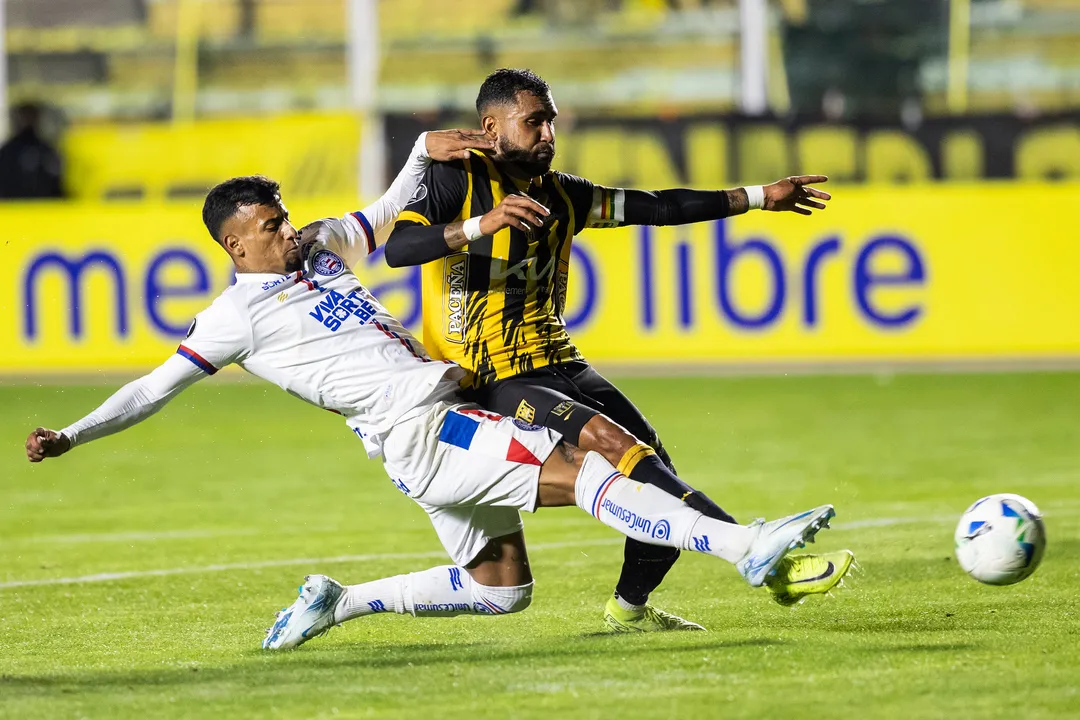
column 631, row 518
column 563, row 410
column 401, row 486
column 455, row 280
column 525, row 412
column 662, row 530
column 482, row 609
column 327, row 263
column 526, row 426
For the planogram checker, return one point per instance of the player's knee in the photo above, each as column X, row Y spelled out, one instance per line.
column 502, row 600
column 605, row 437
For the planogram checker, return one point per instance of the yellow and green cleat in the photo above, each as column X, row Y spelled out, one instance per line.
column 648, row 619
column 799, row 576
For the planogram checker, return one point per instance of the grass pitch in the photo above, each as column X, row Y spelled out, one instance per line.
column 187, row 533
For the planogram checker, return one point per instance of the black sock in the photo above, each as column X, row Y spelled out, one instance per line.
column 650, row 469
column 644, row 568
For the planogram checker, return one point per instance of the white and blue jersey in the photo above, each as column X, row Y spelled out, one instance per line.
column 317, row 333
column 321, row 336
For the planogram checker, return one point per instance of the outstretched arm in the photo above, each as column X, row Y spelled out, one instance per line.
column 129, row 406
column 679, row 207
column 220, row 335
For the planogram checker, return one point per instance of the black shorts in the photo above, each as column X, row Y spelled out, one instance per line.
column 564, row 397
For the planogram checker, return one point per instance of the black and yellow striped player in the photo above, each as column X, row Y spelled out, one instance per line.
column 494, row 233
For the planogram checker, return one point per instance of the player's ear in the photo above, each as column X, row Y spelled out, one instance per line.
column 233, row 245
column 490, row 126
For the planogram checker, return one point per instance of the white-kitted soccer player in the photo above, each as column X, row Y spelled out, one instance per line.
column 299, row 318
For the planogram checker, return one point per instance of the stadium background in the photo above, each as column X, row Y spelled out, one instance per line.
column 137, row 575
column 950, row 134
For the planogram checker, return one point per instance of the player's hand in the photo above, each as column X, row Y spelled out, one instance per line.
column 316, row 230
column 516, row 211
column 446, row 145
column 792, row 194
column 43, row 443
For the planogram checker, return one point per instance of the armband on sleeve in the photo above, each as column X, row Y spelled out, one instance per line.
column 608, row 208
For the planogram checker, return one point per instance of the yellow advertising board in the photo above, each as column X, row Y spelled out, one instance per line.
column 978, row 272
column 309, row 154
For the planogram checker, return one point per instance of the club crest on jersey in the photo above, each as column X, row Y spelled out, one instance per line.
column 327, row 263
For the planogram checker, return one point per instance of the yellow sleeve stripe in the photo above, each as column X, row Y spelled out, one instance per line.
column 633, row 456
column 410, row 216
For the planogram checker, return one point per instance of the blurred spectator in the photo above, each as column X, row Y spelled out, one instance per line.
column 29, row 166
column 525, row 7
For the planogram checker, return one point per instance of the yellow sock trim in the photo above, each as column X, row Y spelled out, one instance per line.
column 632, row 457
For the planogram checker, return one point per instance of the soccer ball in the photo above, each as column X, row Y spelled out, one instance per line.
column 1000, row 539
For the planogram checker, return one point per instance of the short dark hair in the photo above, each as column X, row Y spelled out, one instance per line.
column 503, row 85
column 225, row 199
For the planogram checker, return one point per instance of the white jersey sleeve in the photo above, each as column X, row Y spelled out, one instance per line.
column 354, row 235
column 219, row 336
column 135, row 402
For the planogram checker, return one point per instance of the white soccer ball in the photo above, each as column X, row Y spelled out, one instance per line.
column 1000, row 539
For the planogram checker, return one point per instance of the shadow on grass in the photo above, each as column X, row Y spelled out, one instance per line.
column 916, row 624
column 304, row 664
column 920, row 648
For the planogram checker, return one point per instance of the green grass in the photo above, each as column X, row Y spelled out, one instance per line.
column 243, row 474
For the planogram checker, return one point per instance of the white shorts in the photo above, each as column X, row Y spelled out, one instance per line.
column 470, row 470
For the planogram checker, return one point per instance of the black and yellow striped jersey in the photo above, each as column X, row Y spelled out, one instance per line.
column 495, row 308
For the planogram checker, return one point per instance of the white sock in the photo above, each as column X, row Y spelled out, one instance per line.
column 386, row 595
column 439, row 592
column 647, row 513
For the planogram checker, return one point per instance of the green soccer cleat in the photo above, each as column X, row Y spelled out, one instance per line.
column 799, row 576
column 647, row 620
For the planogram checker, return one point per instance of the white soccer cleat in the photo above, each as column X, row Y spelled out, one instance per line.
column 777, row 537
column 310, row 615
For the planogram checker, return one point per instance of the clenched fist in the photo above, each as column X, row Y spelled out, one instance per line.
column 43, row 443
column 516, row 211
